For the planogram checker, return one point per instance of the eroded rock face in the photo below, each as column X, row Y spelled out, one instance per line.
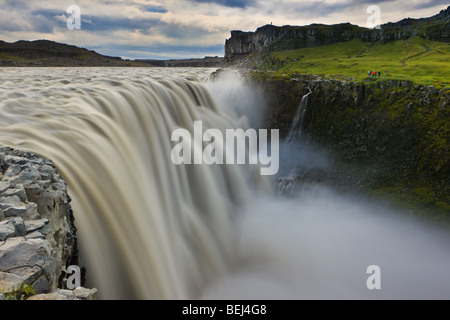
column 37, row 232
column 295, row 37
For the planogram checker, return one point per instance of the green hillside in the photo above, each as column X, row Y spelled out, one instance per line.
column 417, row 59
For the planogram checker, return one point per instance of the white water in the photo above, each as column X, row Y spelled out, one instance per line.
column 295, row 134
column 153, row 230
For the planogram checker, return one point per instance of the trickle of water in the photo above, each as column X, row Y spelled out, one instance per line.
column 296, row 131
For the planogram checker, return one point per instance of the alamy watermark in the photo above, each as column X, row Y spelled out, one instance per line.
column 374, row 20
column 374, row 280
column 229, row 149
column 74, row 280
column 74, row 20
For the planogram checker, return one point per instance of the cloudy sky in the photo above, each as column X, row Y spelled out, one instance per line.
column 161, row 29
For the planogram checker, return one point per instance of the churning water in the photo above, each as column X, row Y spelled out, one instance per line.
column 150, row 229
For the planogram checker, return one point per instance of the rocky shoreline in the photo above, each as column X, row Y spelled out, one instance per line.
column 37, row 232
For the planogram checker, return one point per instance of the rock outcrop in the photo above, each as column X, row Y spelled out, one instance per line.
column 64, row 294
column 37, row 232
column 271, row 37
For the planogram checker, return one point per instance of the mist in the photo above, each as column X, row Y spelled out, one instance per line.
column 320, row 246
column 313, row 240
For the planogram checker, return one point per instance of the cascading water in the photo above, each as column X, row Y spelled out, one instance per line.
column 296, row 154
column 295, row 134
column 150, row 229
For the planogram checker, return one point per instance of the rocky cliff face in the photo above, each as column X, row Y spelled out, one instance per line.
column 394, row 131
column 294, row 37
column 37, row 232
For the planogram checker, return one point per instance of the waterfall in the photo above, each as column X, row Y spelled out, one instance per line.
column 149, row 229
column 296, row 131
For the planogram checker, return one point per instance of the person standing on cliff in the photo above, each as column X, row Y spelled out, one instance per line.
column 379, row 74
column 369, row 73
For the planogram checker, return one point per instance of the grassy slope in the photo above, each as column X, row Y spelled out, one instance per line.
column 417, row 59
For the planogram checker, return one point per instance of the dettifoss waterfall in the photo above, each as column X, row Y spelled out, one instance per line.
column 150, row 229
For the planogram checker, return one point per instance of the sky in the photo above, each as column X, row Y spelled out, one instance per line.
column 178, row 29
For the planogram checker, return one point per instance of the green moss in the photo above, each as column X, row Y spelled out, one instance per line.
column 424, row 195
column 23, row 292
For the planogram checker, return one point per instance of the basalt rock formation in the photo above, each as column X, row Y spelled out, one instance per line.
column 37, row 232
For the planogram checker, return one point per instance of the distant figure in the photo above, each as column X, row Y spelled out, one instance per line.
column 379, row 74
column 373, row 73
column 369, row 73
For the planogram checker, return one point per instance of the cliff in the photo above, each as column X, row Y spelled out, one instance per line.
column 274, row 38
column 37, row 232
column 389, row 138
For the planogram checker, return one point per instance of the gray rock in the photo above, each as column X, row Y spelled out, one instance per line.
column 31, row 212
column 2, row 296
column 38, row 249
column 19, row 225
column 4, row 206
column 34, row 235
column 32, row 225
column 4, row 185
column 17, row 191
column 59, row 186
column 33, row 192
column 26, row 259
column 60, row 294
column 9, row 281
column 27, row 176
column 15, row 211
column 13, row 170
column 11, row 160
column 85, row 294
column 49, row 162
column 42, row 284
column 10, row 201
column 47, row 172
column 7, row 230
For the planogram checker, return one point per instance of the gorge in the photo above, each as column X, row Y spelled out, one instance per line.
column 206, row 232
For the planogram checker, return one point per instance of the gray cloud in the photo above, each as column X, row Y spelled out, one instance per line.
column 230, row 3
column 168, row 27
column 431, row 4
column 312, row 8
column 102, row 23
